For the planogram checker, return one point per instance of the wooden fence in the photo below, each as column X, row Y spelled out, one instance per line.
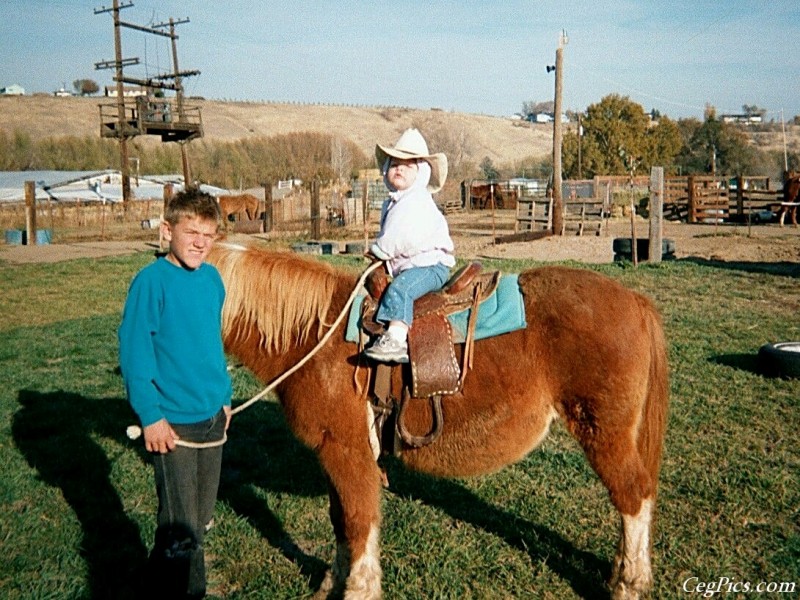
column 713, row 199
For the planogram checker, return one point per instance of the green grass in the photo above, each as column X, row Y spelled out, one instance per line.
column 78, row 507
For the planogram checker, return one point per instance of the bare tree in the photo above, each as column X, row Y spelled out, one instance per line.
column 341, row 158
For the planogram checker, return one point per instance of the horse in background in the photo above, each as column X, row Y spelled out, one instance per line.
column 482, row 196
column 791, row 197
column 246, row 204
column 613, row 401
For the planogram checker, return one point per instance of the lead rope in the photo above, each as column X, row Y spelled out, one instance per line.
column 134, row 431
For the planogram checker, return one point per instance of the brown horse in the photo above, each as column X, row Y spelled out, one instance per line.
column 791, row 196
column 483, row 195
column 236, row 205
column 592, row 354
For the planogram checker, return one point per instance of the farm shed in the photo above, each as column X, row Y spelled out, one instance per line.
column 12, row 90
column 88, row 186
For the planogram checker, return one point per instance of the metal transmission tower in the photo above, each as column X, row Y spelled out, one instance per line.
column 147, row 115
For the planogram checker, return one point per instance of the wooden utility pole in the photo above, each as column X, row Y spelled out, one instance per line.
column 558, row 204
column 315, row 224
column 135, row 123
column 122, row 124
column 268, row 215
column 187, row 174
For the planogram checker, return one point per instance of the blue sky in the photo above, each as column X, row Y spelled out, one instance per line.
column 463, row 55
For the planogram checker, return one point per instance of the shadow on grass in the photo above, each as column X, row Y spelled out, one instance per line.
column 55, row 430
column 785, row 269
column 54, row 433
column 585, row 572
column 261, row 452
column 741, row 362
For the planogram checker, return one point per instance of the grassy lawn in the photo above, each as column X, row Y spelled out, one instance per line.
column 78, row 505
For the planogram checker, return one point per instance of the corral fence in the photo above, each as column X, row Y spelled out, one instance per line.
column 293, row 211
column 315, row 211
column 587, row 203
column 716, row 199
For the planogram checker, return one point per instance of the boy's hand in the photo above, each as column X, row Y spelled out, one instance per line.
column 228, row 415
column 160, row 437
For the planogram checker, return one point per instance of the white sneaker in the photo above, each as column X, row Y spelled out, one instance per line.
column 388, row 349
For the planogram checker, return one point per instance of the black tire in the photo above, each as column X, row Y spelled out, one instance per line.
column 781, row 359
column 623, row 248
column 354, row 248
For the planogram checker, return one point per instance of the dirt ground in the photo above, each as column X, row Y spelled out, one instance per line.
column 768, row 243
column 474, row 234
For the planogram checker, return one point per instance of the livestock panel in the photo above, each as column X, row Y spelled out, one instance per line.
column 708, row 199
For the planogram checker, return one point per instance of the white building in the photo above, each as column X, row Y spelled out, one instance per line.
column 12, row 90
column 89, row 186
column 127, row 91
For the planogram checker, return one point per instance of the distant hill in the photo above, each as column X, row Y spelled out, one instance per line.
column 503, row 140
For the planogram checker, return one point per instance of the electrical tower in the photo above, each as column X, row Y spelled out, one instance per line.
column 147, row 115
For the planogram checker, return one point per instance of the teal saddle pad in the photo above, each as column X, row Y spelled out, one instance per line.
column 502, row 312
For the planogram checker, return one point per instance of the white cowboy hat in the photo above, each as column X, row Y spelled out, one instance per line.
column 412, row 145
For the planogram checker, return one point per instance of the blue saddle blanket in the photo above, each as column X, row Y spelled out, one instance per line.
column 502, row 312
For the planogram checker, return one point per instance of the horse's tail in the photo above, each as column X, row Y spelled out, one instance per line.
column 654, row 419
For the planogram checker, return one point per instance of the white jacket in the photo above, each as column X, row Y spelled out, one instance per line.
column 414, row 232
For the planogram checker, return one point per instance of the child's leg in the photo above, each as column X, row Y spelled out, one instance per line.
column 397, row 309
column 177, row 557
column 187, row 480
column 397, row 304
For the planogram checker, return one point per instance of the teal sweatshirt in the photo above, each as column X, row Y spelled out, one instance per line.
column 170, row 344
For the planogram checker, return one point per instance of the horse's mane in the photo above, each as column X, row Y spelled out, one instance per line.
column 285, row 297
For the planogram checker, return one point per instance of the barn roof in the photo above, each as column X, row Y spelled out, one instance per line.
column 88, row 186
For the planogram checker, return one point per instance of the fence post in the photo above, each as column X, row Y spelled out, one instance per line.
column 315, row 235
column 268, row 222
column 30, row 212
column 740, row 196
column 691, row 218
column 656, row 213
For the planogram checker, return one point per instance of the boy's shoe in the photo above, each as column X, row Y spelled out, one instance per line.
column 388, row 349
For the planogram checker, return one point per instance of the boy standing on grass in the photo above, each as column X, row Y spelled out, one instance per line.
column 176, row 379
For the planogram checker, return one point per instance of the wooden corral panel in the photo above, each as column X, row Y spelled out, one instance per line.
column 585, row 215
column 676, row 198
column 534, row 213
column 708, row 200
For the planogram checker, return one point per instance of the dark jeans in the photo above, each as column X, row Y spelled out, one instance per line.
column 187, row 480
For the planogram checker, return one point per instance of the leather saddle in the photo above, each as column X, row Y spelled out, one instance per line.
column 434, row 366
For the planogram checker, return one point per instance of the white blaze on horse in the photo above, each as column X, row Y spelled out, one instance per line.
column 592, row 353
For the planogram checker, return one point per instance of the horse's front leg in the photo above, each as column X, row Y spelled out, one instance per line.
column 354, row 486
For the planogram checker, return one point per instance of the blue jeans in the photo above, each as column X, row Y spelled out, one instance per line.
column 187, row 480
column 397, row 303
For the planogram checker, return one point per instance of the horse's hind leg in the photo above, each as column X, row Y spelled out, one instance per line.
column 616, row 459
column 632, row 573
column 609, row 436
